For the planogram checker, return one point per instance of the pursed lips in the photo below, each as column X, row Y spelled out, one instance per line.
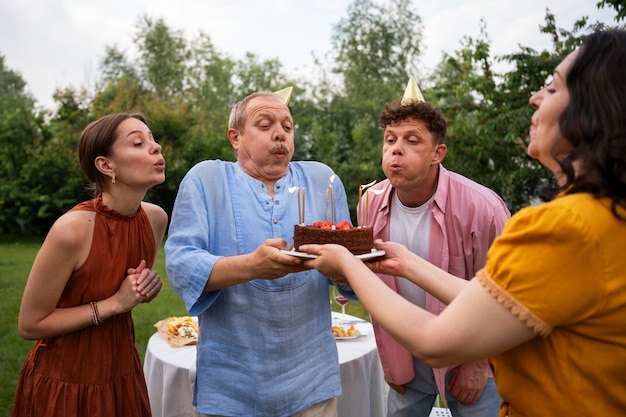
column 395, row 166
column 533, row 126
column 279, row 151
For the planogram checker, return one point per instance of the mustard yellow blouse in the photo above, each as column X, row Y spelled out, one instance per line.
column 561, row 268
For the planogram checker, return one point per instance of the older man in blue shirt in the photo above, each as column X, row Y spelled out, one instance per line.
column 265, row 345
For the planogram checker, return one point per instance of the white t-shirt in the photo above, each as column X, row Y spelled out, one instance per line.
column 410, row 226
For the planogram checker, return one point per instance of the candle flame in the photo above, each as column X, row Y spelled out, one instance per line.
column 364, row 186
column 361, row 209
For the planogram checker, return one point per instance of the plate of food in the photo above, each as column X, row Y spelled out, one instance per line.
column 363, row 256
column 353, row 331
column 179, row 331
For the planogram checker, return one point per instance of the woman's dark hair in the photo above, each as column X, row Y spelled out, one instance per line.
column 594, row 121
column 435, row 122
column 96, row 140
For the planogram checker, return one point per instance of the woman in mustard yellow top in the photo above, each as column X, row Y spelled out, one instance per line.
column 549, row 308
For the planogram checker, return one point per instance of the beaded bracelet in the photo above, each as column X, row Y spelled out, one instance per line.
column 95, row 315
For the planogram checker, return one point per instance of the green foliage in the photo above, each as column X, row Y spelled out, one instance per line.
column 23, row 138
column 186, row 88
column 618, row 5
column 488, row 113
column 376, row 46
column 163, row 55
column 171, row 125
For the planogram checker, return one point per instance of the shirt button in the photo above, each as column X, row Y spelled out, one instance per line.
column 275, row 221
column 277, row 202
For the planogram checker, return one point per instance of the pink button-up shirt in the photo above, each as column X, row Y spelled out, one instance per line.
column 467, row 217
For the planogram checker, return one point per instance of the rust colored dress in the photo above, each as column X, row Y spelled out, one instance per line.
column 95, row 371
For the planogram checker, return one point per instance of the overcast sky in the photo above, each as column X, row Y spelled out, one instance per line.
column 59, row 43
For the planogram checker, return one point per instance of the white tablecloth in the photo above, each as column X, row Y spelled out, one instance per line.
column 170, row 374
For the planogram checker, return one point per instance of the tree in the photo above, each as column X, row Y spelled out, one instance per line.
column 488, row 114
column 618, row 5
column 164, row 54
column 22, row 130
column 376, row 49
column 186, row 89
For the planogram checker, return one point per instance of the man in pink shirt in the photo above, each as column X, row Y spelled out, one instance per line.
column 445, row 218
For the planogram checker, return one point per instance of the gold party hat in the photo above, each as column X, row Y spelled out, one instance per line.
column 412, row 93
column 285, row 94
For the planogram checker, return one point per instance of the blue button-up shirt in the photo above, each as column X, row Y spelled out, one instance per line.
column 265, row 347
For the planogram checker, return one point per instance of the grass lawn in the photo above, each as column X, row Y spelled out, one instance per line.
column 16, row 258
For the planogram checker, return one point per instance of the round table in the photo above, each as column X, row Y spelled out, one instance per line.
column 171, row 372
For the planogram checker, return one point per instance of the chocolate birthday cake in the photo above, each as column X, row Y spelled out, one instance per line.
column 358, row 240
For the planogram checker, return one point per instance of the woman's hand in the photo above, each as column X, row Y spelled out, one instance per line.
column 141, row 285
column 332, row 261
column 395, row 260
column 148, row 282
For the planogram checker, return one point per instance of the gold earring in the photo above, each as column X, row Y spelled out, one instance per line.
column 113, row 179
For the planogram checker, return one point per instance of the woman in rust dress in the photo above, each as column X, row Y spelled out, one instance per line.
column 92, row 269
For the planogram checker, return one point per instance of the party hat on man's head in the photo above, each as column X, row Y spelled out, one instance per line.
column 285, row 94
column 412, row 93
